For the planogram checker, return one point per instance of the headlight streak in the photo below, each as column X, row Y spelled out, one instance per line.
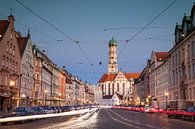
column 33, row 117
column 77, row 122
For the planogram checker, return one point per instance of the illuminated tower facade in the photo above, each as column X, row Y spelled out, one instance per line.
column 112, row 66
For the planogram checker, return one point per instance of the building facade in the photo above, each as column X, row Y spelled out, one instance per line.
column 116, row 81
column 27, row 70
column 9, row 66
column 181, row 61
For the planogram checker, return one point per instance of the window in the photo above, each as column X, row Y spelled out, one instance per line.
column 189, row 72
column 193, row 70
column 193, row 49
column 123, row 88
column 188, row 50
column 179, row 58
column 7, row 62
column 3, row 61
column 108, row 88
column 113, row 88
column 10, row 49
column 13, row 52
column 117, row 87
column 7, row 47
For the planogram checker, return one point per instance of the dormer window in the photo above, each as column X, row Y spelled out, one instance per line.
column 185, row 29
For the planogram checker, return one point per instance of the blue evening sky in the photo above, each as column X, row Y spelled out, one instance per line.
column 93, row 23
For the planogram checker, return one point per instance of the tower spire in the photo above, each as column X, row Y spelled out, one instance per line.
column 112, row 66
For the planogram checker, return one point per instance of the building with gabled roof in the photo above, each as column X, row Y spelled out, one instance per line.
column 9, row 66
column 26, row 70
column 116, row 82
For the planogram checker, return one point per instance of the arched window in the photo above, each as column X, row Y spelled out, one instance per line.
column 108, row 88
column 117, row 87
column 123, row 88
column 113, row 88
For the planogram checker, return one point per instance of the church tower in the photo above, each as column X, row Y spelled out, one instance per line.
column 112, row 66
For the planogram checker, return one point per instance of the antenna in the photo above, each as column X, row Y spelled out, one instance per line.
column 11, row 10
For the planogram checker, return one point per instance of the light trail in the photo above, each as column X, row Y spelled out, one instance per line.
column 33, row 117
column 76, row 123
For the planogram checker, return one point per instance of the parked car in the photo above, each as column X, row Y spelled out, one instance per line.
column 191, row 109
column 65, row 108
column 38, row 110
column 18, row 111
column 47, row 109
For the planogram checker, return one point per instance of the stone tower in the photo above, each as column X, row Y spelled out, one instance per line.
column 112, row 66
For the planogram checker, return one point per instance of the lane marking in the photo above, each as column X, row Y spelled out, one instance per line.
column 117, row 120
column 66, row 125
column 146, row 125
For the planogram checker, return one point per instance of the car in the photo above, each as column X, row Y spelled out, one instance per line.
column 17, row 111
column 47, row 109
column 191, row 109
column 38, row 110
column 65, row 108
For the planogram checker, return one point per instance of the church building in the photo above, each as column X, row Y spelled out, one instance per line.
column 117, row 86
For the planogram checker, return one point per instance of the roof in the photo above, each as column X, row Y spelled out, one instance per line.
column 161, row 56
column 111, row 77
column 112, row 42
column 4, row 24
column 22, row 42
column 107, row 77
column 132, row 75
column 107, row 96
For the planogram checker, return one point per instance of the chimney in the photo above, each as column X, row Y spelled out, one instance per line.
column 11, row 19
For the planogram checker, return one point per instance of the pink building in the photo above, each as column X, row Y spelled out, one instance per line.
column 9, row 65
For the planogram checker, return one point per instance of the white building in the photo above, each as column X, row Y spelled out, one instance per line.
column 116, row 82
column 161, row 90
column 27, row 70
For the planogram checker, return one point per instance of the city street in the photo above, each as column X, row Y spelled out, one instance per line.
column 106, row 118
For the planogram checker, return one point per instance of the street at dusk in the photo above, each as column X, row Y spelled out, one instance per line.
column 106, row 118
column 97, row 64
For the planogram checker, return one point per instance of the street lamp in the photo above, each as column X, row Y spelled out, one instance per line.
column 138, row 100
column 23, row 97
column 166, row 95
column 45, row 96
column 149, row 99
column 59, row 97
column 11, row 84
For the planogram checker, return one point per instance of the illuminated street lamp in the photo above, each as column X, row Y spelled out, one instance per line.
column 166, row 95
column 149, row 99
column 23, row 97
column 138, row 99
column 11, row 84
column 45, row 96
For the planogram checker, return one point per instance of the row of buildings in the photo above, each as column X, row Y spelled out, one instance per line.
column 29, row 78
column 170, row 76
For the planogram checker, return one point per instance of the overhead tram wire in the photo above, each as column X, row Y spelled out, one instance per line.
column 45, row 20
column 31, row 28
column 67, row 36
column 150, row 22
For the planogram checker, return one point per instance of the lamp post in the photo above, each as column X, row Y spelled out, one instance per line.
column 11, row 84
column 59, row 98
column 45, row 96
column 166, row 95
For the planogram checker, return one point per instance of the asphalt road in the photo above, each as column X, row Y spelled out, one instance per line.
column 106, row 118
